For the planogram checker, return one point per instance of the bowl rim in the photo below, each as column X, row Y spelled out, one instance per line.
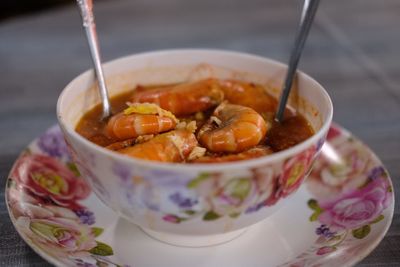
column 202, row 167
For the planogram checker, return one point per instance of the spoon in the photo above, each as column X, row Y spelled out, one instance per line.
column 86, row 8
column 309, row 9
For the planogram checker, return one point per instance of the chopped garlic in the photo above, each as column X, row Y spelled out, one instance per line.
column 215, row 120
column 197, row 152
column 191, row 126
column 148, row 108
column 183, row 125
column 179, row 144
column 144, row 138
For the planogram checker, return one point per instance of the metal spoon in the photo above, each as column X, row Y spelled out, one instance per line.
column 86, row 8
column 309, row 9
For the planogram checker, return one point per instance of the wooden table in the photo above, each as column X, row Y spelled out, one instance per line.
column 353, row 50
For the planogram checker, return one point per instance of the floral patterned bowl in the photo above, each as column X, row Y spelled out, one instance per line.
column 196, row 204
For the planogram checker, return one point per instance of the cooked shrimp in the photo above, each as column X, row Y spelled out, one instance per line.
column 140, row 119
column 254, row 152
column 249, row 95
column 232, row 128
column 121, row 144
column 129, row 142
column 123, row 126
column 183, row 99
column 174, row 146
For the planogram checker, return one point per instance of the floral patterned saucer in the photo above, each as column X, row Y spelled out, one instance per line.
column 337, row 218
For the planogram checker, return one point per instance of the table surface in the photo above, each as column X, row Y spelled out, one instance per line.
column 353, row 50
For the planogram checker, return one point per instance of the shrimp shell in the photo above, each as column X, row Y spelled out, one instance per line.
column 234, row 129
column 174, row 146
column 123, row 126
column 254, row 152
column 249, row 95
column 183, row 99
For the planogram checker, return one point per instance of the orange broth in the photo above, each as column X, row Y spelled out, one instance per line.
column 293, row 130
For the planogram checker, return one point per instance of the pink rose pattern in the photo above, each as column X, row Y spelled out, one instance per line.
column 350, row 196
column 294, row 172
column 357, row 207
column 242, row 195
column 47, row 178
column 44, row 195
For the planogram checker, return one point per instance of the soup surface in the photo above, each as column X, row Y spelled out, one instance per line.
column 207, row 121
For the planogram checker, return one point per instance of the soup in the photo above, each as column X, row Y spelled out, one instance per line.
column 206, row 121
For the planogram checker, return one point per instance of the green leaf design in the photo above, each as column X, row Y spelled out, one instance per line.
column 313, row 204
column 196, row 181
column 315, row 216
column 102, row 249
column 378, row 219
column 190, row 212
column 72, row 167
column 239, row 188
column 335, row 238
column 106, row 263
column 43, row 229
column 100, row 263
column 361, row 232
column 211, row 216
column 234, row 215
column 97, row 231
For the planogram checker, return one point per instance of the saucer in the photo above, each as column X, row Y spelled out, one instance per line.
column 337, row 218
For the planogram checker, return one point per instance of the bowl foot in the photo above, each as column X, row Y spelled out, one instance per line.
column 194, row 240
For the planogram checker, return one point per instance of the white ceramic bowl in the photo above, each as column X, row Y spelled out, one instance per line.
column 193, row 204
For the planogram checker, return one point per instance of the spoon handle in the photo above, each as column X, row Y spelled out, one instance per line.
column 309, row 9
column 86, row 8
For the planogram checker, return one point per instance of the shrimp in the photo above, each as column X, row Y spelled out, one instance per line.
column 121, row 144
column 183, row 99
column 129, row 142
column 174, row 146
column 249, row 95
column 232, row 128
column 140, row 119
column 254, row 152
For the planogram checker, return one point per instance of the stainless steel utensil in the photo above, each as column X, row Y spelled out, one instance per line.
column 307, row 17
column 86, row 8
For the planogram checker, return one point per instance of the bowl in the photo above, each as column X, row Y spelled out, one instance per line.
column 193, row 204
